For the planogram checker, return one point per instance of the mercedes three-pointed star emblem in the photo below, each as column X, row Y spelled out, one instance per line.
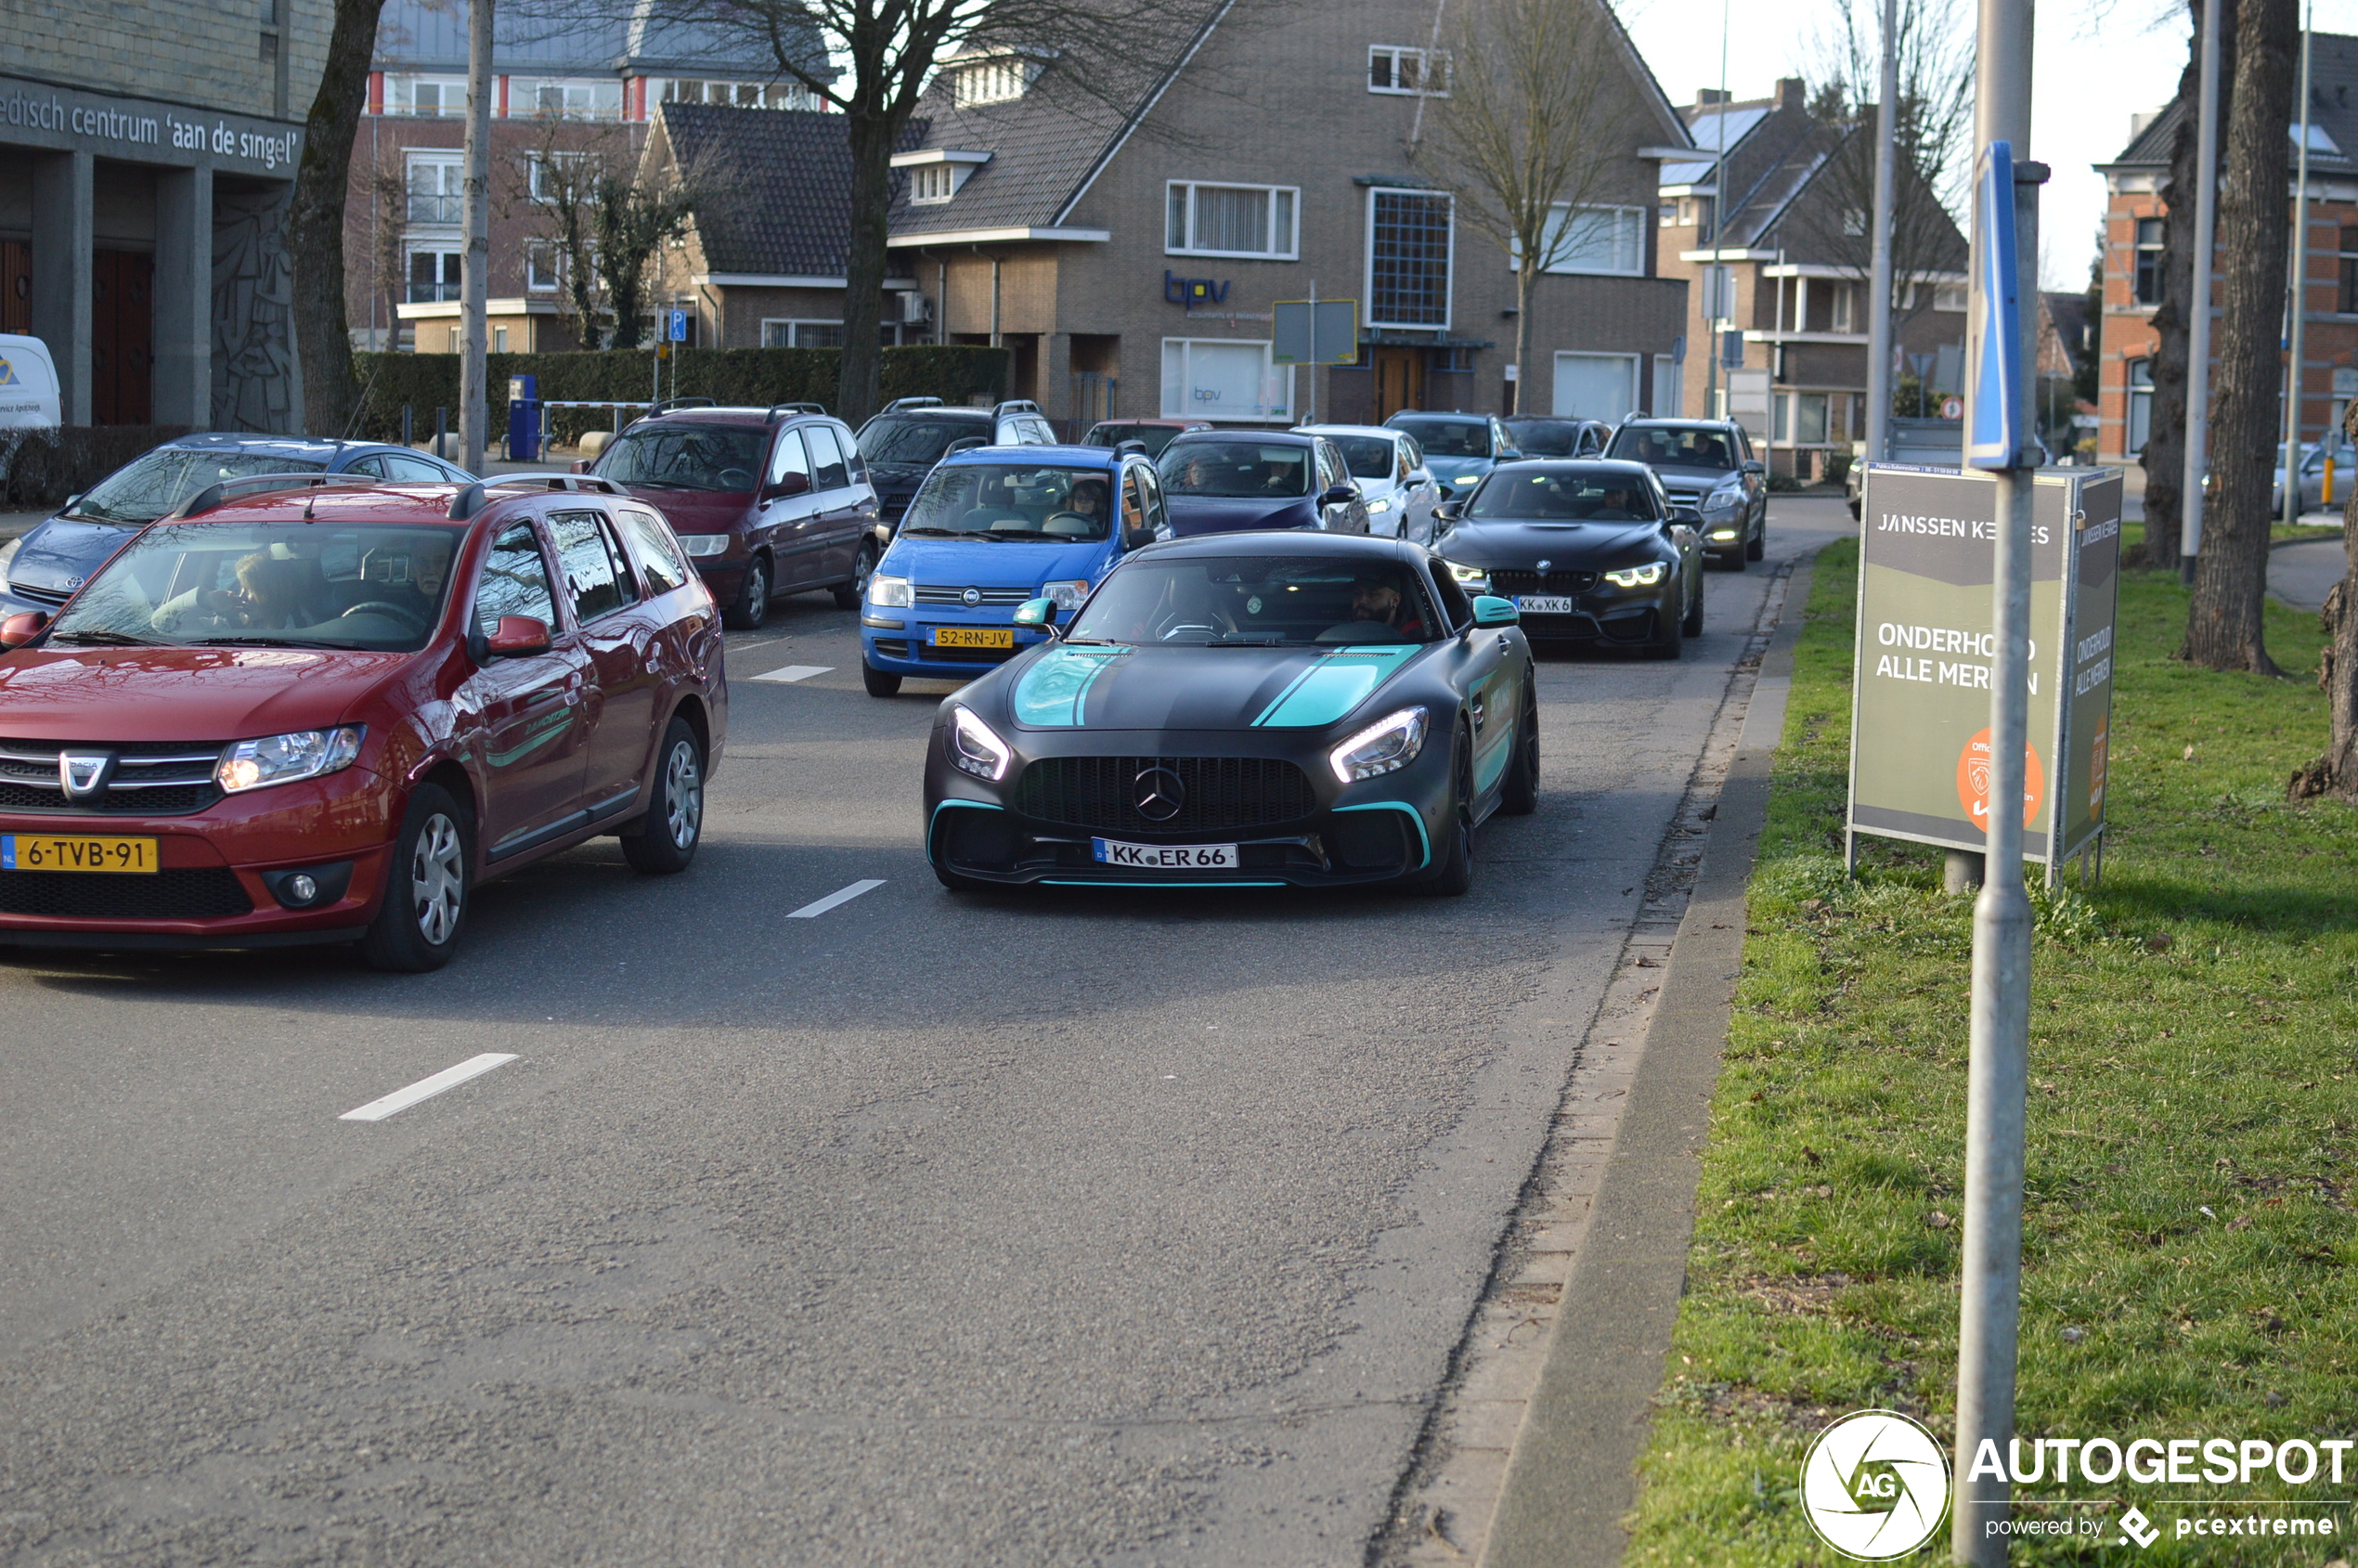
column 1160, row 795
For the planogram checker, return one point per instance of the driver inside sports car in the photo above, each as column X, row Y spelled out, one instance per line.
column 1373, row 599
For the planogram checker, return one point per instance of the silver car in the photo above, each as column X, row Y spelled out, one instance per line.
column 1389, row 467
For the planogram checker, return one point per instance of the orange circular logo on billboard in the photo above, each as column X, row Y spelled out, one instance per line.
column 1972, row 781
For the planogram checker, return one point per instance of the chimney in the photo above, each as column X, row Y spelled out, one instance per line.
column 1706, row 97
column 1793, row 93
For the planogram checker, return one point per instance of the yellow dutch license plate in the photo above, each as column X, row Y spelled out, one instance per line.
column 51, row 851
column 973, row 637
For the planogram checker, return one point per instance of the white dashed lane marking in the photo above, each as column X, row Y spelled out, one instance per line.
column 427, row 1088
column 795, row 672
column 840, row 896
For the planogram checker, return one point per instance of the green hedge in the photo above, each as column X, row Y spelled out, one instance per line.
column 952, row 372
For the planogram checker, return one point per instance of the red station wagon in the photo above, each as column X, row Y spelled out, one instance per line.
column 316, row 710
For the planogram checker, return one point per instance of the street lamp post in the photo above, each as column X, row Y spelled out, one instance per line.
column 1879, row 343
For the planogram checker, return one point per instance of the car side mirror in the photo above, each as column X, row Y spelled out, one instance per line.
column 1137, row 538
column 1420, row 476
column 1754, row 465
column 1036, row 612
column 21, row 627
column 786, row 484
column 1339, row 495
column 72, row 501
column 1449, row 512
column 516, row 636
column 1491, row 610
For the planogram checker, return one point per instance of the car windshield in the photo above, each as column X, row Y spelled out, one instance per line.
column 686, row 457
column 1556, row 494
column 273, row 585
column 1673, row 448
column 1367, row 456
column 1013, row 502
column 1449, row 438
column 914, row 438
column 1153, row 437
column 1543, row 438
column 1236, row 468
column 144, row 489
column 1257, row 601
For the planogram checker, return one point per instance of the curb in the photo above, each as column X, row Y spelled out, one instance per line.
column 1572, row 1478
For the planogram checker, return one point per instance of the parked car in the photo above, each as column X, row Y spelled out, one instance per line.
column 29, row 397
column 1222, row 481
column 991, row 528
column 766, row 500
column 1587, row 549
column 901, row 444
column 1243, row 710
column 1152, row 434
column 324, row 709
column 1459, row 448
column 1713, row 479
column 51, row 560
column 1539, row 437
column 1389, row 468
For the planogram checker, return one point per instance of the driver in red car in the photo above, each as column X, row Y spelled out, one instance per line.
column 272, row 594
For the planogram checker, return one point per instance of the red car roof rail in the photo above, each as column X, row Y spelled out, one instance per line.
column 215, row 494
column 784, row 410
column 470, row 498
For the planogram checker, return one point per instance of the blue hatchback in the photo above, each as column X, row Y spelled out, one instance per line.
column 989, row 528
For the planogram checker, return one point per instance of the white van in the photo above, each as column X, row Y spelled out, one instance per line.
column 28, row 384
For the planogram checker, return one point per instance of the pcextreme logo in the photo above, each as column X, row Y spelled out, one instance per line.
column 1875, row 1485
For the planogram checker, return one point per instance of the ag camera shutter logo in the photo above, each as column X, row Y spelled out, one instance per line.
column 1875, row 1485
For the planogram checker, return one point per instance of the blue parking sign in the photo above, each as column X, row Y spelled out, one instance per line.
column 678, row 330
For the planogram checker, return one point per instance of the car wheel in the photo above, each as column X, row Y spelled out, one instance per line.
column 1758, row 548
column 425, row 898
column 1520, row 795
column 666, row 836
column 1453, row 857
column 752, row 600
column 1692, row 625
column 848, row 595
column 880, row 683
column 1670, row 640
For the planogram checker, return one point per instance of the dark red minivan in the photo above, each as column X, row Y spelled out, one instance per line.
column 320, row 710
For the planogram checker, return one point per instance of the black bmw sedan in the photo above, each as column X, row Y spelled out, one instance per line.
column 1588, row 551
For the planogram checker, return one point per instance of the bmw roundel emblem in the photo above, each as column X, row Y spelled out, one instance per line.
column 1160, row 795
column 1543, row 566
column 972, row 597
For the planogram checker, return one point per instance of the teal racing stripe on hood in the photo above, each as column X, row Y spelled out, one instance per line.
column 1335, row 685
column 1051, row 693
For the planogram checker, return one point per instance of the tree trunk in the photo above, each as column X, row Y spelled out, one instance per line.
column 314, row 220
column 2335, row 772
column 1523, row 337
column 873, row 136
column 2223, row 621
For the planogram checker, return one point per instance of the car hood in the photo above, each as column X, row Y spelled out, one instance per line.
column 1561, row 545
column 898, row 475
column 198, row 694
column 59, row 553
column 697, row 512
column 971, row 563
column 1449, row 468
column 1231, row 514
column 1198, row 687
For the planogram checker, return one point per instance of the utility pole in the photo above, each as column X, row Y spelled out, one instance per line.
column 1879, row 344
column 474, row 405
column 1715, row 279
column 2296, row 297
column 2192, row 493
column 1998, row 1076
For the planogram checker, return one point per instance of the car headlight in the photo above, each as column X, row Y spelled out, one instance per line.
column 1722, row 535
column 975, row 748
column 705, row 544
column 1729, row 494
column 889, row 594
column 1646, row 576
column 1476, row 579
column 1381, row 503
column 1384, row 747
column 1066, row 595
column 307, row 753
column 1467, row 479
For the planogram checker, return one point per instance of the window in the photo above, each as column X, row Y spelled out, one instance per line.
column 1000, row 80
column 1608, row 239
column 1223, row 379
column 437, row 188
column 593, row 100
column 1842, row 308
column 1409, row 249
column 434, row 276
column 1596, row 386
column 514, row 581
column 2140, row 405
column 1800, row 418
column 1231, row 220
column 1394, row 69
column 790, row 458
column 587, row 561
column 499, row 340
column 561, row 177
column 741, row 95
column 2345, row 297
column 660, row 562
column 1854, row 221
column 932, row 183
column 2148, row 277
column 425, row 96
column 1944, row 296
column 776, row 333
column 828, row 471
column 544, row 267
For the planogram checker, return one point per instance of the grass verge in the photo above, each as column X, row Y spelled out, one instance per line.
column 2193, row 1152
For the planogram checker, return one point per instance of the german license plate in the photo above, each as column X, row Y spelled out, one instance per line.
column 973, row 637
column 1543, row 604
column 1165, row 857
column 50, row 852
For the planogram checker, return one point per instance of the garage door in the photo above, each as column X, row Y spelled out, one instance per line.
column 1596, row 386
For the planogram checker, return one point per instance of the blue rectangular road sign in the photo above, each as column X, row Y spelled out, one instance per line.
column 1994, row 417
column 677, row 327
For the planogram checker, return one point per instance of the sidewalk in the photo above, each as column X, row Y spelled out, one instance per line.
column 2301, row 575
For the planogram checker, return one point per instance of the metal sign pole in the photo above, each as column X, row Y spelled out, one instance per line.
column 1879, row 343
column 1317, row 357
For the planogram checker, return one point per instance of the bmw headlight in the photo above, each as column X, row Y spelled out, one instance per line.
column 975, row 748
column 705, row 544
column 888, row 593
column 1473, row 579
column 1066, row 595
column 307, row 753
column 1384, row 747
column 1646, row 576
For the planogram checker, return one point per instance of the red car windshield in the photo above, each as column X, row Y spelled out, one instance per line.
column 272, row 585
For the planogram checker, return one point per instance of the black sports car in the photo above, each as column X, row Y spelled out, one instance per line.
column 1242, row 710
column 1588, row 551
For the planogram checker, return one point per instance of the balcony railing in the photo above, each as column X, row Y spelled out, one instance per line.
column 433, row 294
column 425, row 207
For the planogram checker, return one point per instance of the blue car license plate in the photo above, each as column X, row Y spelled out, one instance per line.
column 1165, row 857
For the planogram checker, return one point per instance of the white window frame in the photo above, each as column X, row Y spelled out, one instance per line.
column 1424, row 59
column 524, row 97
column 401, row 96
column 1001, row 78
column 537, row 162
column 535, row 252
column 793, row 333
column 1635, row 217
column 1368, row 248
column 1945, row 296
column 1270, row 381
column 930, row 185
column 417, row 160
column 1293, row 237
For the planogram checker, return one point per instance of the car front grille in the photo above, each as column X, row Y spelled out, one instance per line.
column 42, row 595
column 204, row 893
column 1003, row 597
column 1219, row 792
column 150, row 778
column 1510, row 583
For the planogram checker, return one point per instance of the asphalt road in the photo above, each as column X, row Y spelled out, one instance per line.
column 1041, row 1229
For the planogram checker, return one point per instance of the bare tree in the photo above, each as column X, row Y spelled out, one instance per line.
column 387, row 186
column 634, row 223
column 2224, row 627
column 1532, row 130
column 557, row 183
column 314, row 219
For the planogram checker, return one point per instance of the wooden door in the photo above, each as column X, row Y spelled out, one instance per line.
column 122, row 337
column 1400, row 381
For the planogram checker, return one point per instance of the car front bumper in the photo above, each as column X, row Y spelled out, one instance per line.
column 900, row 642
